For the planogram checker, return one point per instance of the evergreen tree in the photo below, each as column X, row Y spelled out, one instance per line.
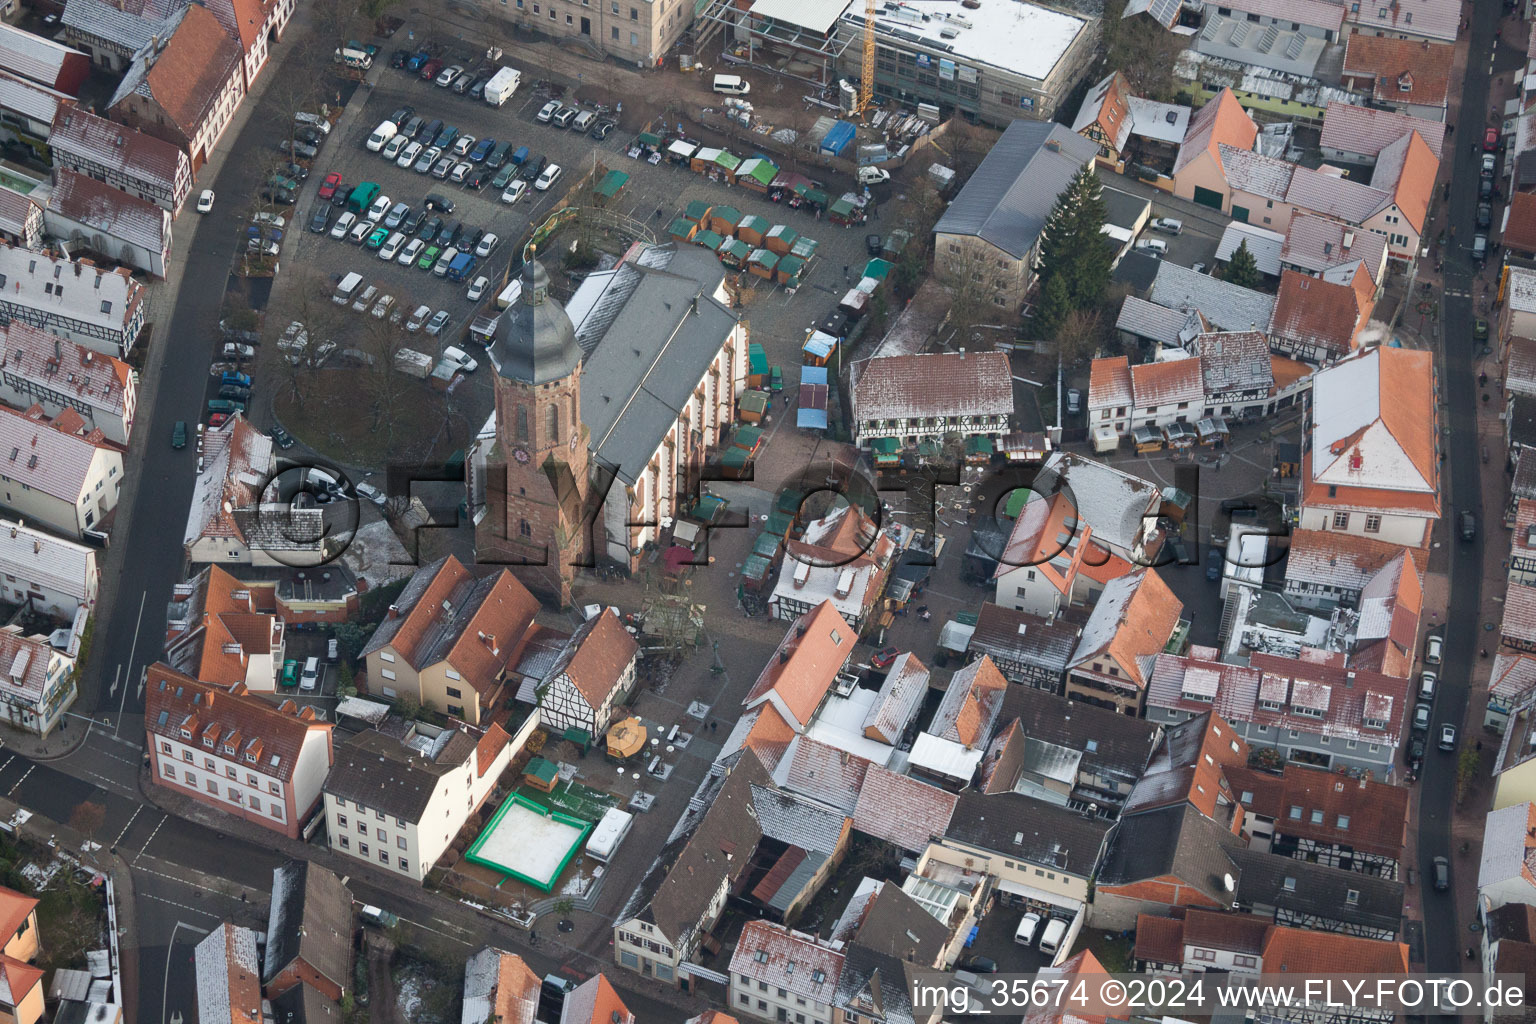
column 1073, row 247
column 1054, row 306
column 1242, row 268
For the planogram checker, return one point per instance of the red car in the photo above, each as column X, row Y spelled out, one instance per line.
column 330, row 185
column 884, row 657
column 430, row 69
column 217, row 420
column 1491, row 140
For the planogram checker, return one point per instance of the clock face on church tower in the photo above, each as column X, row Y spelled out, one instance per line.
column 521, row 455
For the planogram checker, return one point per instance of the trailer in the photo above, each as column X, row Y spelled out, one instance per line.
column 610, row 832
column 414, row 364
column 502, row 85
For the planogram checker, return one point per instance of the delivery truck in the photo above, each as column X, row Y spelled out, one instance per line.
column 502, row 85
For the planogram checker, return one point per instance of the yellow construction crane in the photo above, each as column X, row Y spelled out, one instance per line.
column 867, row 82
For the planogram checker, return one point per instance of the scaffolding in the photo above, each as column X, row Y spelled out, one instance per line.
column 760, row 32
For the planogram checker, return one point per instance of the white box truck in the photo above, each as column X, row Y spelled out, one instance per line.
column 502, row 85
column 414, row 364
column 510, row 293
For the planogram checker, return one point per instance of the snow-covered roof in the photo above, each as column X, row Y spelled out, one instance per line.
column 1265, row 245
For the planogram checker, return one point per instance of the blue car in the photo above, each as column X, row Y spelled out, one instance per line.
column 417, row 60
column 482, row 150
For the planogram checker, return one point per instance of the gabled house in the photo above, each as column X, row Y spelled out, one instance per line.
column 1310, row 708
column 1359, row 134
column 1323, row 247
column 1199, row 174
column 1172, row 856
column 843, row 559
column 309, row 932
column 109, row 221
column 1065, row 753
column 668, row 917
column 105, row 313
column 902, row 810
column 803, row 668
column 1133, row 622
column 1508, row 944
column 992, row 227
column 1110, row 397
column 1326, row 570
column 1119, row 511
column 216, row 633
column 900, row 696
column 1131, row 128
column 499, row 988
column 1027, row 649
column 231, row 750
column 950, row 749
column 929, row 396
column 397, row 799
column 139, row 164
column 38, row 368
column 184, row 88
column 449, row 637
column 1387, row 632
column 1224, row 306
column 1422, row 20
column 1371, row 465
column 1319, row 816
column 1318, row 320
column 228, row 971
column 1038, row 569
column 59, row 473
column 40, row 682
column 801, row 846
column 1317, row 897
column 777, row 972
column 1505, row 876
column 1167, row 392
column 49, row 574
column 1238, row 374
column 595, row 1001
column 593, row 675
column 1405, row 75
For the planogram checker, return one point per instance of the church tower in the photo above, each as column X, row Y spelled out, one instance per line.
column 537, row 482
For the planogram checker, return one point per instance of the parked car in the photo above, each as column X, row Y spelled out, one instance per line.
column 418, row 319
column 461, row 170
column 390, row 249
column 439, row 202
column 426, row 160
column 1479, row 330
column 1154, row 247
column 412, row 128
column 1490, row 164
column 237, row 350
column 284, row 441
column 411, row 252
column 1466, row 524
column 343, row 224
column 382, row 307
column 446, row 136
column 445, row 77
column 1074, row 401
column 373, row 494
column 179, row 434
column 482, row 150
column 429, row 258
column 441, row 169
column 397, row 215
column 463, row 359
column 302, row 150
column 320, row 219
column 548, row 178
column 377, row 237
column 402, row 115
column 1433, row 644
column 1447, row 738
column 1421, row 715
column 379, row 208
column 409, row 155
column 342, row 194
column 1427, row 682
column 1490, row 140
column 486, row 245
column 602, row 129
column 413, row 223
column 978, row 964
column 280, row 196
column 477, row 288
column 884, row 657
column 498, row 155
column 477, row 178
column 463, row 144
column 329, row 186
column 437, row 323
column 1167, row 225
column 515, row 191
column 1214, row 563
column 430, row 229
column 1440, row 866
column 548, row 111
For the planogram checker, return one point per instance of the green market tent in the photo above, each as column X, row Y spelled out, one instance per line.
column 764, row 258
column 877, row 269
column 612, row 182
column 696, row 211
column 842, row 209
column 734, row 251
column 978, row 444
column 708, row 239
column 767, row 545
column 735, row 458
column 789, row 502
column 748, row 438
column 756, row 568
column 1017, row 499
column 804, row 248
column 759, row 170
column 754, row 401
column 648, row 139
column 778, row 523
column 815, row 196
column 790, row 268
column 682, row 229
column 757, row 359
column 885, row 449
column 727, row 161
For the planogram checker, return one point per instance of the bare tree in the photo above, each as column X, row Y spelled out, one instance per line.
column 385, row 386
column 1079, row 335
column 87, row 818
column 974, row 285
column 307, row 302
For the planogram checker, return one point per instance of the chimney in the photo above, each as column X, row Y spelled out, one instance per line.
column 394, row 611
column 1053, row 145
column 783, row 657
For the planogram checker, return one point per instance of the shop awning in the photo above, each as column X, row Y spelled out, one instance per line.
column 1029, row 892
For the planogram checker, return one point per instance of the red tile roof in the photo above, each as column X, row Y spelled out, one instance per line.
column 806, row 663
column 1109, row 383
column 274, row 733
column 1317, row 312
column 902, row 810
column 1167, row 383
column 1520, row 221
column 934, row 384
column 1222, row 121
column 597, row 655
column 1375, row 814
column 1159, row 939
column 15, row 908
column 1391, row 64
column 1415, row 186
column 189, row 76
column 1298, row 951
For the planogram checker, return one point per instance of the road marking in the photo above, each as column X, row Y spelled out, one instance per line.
column 13, row 789
column 136, row 811
column 184, row 881
column 165, row 983
column 110, row 783
column 163, row 819
column 183, row 906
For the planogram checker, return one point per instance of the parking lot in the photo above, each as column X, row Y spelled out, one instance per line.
column 778, row 319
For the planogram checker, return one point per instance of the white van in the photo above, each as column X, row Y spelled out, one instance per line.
column 583, row 122
column 354, row 58
column 310, row 677
column 732, row 85
column 347, row 288
column 382, row 134
column 1028, row 926
column 1055, row 931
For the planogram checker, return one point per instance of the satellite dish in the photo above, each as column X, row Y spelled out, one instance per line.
column 1227, row 883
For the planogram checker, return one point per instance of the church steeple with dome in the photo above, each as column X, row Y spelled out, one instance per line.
column 537, row 476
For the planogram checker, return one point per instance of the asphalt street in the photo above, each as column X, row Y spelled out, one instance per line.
column 1444, row 938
